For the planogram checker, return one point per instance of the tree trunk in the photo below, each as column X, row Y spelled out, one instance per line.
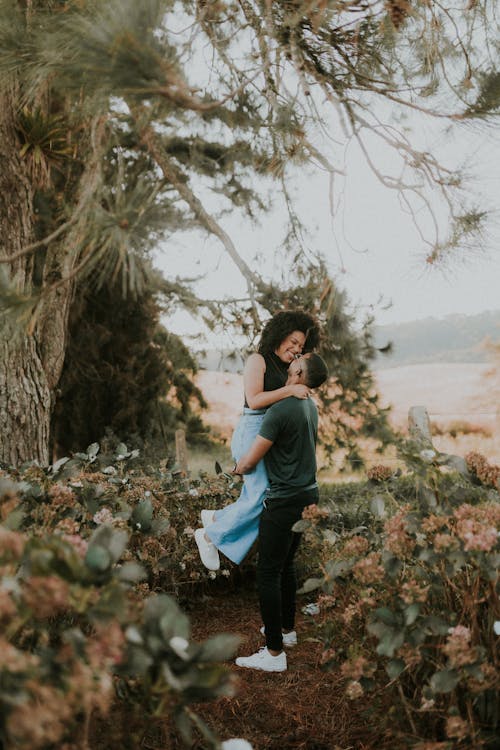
column 25, row 400
column 26, row 380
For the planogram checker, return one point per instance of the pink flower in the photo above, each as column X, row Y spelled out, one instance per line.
column 46, row 595
column 457, row 727
column 313, row 513
column 7, row 606
column 356, row 668
column 103, row 516
column 11, row 543
column 356, row 545
column 457, row 647
column 481, row 540
column 444, row 541
column 354, row 690
column 411, row 592
column 369, row 570
column 398, row 541
column 77, row 542
column 61, row 495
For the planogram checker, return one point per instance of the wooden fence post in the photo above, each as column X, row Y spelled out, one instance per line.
column 181, row 451
column 419, row 426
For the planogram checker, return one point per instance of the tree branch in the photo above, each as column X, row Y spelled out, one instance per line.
column 176, row 178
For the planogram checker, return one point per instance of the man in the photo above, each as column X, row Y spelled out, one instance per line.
column 287, row 442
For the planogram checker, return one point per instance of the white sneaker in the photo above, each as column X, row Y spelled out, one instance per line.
column 264, row 661
column 289, row 639
column 207, row 517
column 208, row 551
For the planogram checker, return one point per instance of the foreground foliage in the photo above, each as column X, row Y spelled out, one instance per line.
column 410, row 601
column 406, row 568
column 83, row 556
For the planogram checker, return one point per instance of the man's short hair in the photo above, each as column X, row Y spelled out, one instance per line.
column 316, row 371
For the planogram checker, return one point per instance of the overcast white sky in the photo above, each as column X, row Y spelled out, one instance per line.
column 371, row 247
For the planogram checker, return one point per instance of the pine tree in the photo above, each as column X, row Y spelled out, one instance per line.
column 116, row 116
column 124, row 373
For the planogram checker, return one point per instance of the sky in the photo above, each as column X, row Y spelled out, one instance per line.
column 371, row 246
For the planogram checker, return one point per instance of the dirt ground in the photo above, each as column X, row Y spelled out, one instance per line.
column 303, row 708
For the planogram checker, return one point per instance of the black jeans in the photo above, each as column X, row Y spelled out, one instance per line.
column 276, row 580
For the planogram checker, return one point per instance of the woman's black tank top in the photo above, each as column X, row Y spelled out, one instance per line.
column 276, row 373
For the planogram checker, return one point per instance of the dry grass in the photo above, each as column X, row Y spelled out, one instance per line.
column 452, row 393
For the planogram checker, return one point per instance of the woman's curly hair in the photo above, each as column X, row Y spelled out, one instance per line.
column 282, row 324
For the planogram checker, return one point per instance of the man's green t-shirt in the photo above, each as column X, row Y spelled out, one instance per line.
column 292, row 426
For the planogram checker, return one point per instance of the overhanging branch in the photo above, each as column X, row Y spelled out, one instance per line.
column 176, row 178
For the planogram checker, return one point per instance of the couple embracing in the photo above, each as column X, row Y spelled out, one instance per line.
column 274, row 446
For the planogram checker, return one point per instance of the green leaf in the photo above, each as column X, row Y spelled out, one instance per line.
column 454, row 462
column 411, row 613
column 394, row 668
column 59, row 464
column 142, row 515
column 390, row 642
column 302, row 525
column 112, row 540
column 377, row 628
column 337, row 568
column 436, row 625
column 131, row 572
column 444, row 681
column 98, row 558
column 377, row 506
column 330, row 536
column 15, row 519
column 138, row 661
column 73, row 466
column 219, row 648
column 159, row 526
column 162, row 613
column 184, row 725
column 92, row 451
column 173, row 622
column 392, row 565
column 427, row 555
column 475, row 671
column 310, row 585
column 385, row 615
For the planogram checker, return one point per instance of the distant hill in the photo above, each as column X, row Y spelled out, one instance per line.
column 455, row 338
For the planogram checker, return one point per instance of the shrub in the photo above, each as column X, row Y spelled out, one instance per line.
column 82, row 556
column 409, row 603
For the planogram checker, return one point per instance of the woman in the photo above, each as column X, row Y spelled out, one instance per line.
column 233, row 529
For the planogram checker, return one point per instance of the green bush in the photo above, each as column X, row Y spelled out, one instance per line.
column 84, row 550
column 409, row 600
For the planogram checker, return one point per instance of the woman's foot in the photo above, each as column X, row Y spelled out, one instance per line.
column 207, row 517
column 208, row 551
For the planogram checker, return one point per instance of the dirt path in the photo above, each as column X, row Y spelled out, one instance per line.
column 303, row 708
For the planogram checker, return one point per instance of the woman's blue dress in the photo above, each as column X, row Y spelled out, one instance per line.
column 236, row 526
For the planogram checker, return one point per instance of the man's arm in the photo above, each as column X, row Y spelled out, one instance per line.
column 257, row 450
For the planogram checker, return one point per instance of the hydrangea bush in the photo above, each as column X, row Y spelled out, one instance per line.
column 158, row 511
column 84, row 551
column 409, row 601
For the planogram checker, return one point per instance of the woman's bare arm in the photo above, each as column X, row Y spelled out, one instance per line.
column 253, row 381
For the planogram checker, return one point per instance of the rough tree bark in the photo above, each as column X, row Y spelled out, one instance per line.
column 30, row 361
column 24, row 391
